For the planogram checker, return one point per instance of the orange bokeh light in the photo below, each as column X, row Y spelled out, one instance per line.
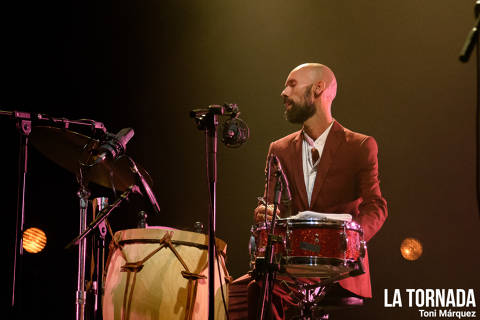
column 411, row 249
column 34, row 240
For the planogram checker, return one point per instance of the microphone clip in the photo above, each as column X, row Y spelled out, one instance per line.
column 235, row 131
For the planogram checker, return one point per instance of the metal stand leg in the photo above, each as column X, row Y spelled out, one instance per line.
column 24, row 127
column 81, row 295
column 98, row 246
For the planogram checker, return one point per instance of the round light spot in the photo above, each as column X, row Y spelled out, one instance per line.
column 34, row 240
column 411, row 249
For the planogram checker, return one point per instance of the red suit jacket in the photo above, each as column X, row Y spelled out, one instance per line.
column 346, row 182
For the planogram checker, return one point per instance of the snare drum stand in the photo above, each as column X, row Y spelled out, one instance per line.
column 311, row 295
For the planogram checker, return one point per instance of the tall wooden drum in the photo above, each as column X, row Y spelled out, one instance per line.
column 161, row 273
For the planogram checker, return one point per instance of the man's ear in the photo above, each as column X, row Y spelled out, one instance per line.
column 319, row 88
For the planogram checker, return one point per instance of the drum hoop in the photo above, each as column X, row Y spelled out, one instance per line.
column 153, row 233
column 317, row 261
column 174, row 242
column 320, row 223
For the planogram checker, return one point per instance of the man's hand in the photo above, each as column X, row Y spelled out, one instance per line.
column 259, row 213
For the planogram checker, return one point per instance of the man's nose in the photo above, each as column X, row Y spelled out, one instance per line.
column 284, row 93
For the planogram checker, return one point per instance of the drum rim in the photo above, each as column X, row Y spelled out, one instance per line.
column 314, row 261
column 298, row 262
column 153, row 241
column 321, row 223
column 155, row 233
column 292, row 268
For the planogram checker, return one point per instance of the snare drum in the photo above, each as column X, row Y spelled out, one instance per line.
column 311, row 247
column 149, row 283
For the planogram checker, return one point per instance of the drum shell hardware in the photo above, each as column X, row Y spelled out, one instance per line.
column 311, row 247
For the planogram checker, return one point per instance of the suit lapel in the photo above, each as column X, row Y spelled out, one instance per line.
column 298, row 171
column 335, row 138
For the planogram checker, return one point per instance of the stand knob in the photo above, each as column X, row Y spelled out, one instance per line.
column 142, row 222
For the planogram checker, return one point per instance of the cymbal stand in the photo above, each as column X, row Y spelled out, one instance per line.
column 81, row 295
column 81, row 239
column 98, row 255
column 24, row 126
column 102, row 215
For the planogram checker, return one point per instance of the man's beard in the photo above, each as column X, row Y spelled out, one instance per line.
column 300, row 112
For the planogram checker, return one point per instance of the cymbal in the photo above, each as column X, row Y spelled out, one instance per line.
column 69, row 149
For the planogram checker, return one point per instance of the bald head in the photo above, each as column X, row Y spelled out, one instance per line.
column 318, row 74
column 308, row 94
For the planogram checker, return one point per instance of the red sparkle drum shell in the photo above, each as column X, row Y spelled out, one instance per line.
column 313, row 248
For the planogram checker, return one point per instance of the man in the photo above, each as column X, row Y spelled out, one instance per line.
column 329, row 168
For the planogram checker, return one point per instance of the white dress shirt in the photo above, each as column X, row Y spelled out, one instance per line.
column 310, row 168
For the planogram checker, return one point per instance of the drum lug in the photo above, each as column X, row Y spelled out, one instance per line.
column 286, row 241
column 363, row 248
column 252, row 248
column 344, row 241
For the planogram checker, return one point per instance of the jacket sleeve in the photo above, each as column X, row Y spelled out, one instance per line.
column 373, row 207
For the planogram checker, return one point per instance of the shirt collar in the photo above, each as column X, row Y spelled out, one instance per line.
column 320, row 141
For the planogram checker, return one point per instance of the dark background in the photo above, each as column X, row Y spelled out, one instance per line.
column 146, row 64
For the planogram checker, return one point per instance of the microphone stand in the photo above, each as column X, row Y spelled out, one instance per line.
column 270, row 268
column 211, row 140
column 144, row 186
column 207, row 120
column 472, row 41
column 102, row 215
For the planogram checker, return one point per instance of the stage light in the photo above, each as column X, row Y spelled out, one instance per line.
column 411, row 249
column 34, row 240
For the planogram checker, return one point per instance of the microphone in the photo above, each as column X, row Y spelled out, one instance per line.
column 235, row 132
column 144, row 186
column 286, row 193
column 114, row 145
